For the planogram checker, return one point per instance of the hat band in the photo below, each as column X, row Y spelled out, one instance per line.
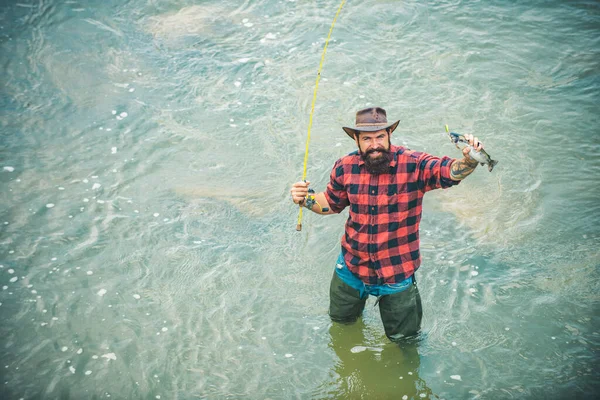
column 373, row 124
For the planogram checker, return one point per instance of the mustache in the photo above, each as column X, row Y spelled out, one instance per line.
column 380, row 150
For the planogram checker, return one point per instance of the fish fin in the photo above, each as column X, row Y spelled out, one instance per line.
column 492, row 164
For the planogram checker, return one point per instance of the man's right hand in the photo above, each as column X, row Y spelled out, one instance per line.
column 299, row 191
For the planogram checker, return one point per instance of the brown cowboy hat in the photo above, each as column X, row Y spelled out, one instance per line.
column 370, row 120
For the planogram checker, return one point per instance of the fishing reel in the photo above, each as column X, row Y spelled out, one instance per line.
column 310, row 201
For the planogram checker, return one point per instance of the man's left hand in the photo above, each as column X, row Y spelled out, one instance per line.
column 475, row 144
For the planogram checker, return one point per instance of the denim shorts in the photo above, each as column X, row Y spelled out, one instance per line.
column 374, row 290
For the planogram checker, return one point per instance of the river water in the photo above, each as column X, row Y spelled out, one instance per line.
column 148, row 245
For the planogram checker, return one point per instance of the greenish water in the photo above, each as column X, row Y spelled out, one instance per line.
column 148, row 245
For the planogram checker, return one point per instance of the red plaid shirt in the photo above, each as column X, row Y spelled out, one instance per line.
column 381, row 243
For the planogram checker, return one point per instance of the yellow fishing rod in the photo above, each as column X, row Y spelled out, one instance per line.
column 312, row 109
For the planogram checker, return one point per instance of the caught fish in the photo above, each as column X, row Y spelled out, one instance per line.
column 480, row 156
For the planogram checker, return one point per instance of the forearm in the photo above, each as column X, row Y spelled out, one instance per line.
column 320, row 205
column 462, row 168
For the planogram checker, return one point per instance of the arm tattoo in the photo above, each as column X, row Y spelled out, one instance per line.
column 462, row 168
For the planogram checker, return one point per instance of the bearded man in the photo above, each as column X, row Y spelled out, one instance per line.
column 383, row 186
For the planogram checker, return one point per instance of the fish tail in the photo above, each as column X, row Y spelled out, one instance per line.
column 492, row 164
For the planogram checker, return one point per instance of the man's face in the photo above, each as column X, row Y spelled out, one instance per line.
column 374, row 149
column 373, row 144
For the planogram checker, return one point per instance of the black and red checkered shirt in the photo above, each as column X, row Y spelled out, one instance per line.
column 381, row 243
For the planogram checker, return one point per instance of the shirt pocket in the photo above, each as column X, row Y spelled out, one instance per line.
column 399, row 199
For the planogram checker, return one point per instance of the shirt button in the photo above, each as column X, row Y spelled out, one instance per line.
column 372, row 191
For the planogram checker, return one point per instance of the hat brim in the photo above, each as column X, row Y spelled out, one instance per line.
column 369, row 128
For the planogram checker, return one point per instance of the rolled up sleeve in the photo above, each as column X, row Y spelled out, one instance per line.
column 434, row 172
column 336, row 194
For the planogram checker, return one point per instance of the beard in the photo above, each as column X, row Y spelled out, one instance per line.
column 377, row 165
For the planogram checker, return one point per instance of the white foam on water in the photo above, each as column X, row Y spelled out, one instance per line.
column 164, row 329
column 288, row 355
column 456, row 377
column 358, row 349
column 123, row 114
column 8, row 168
column 453, row 343
column 34, row 291
column 410, row 373
column 110, row 356
column 474, row 273
column 137, row 296
column 113, row 150
column 49, row 205
column 85, row 181
column 53, row 259
column 54, row 318
column 136, row 211
column 72, row 369
column 100, row 201
column 237, row 83
column 108, row 129
column 405, row 397
column 114, row 112
column 11, row 271
column 507, row 329
column 90, row 273
column 156, row 214
column 4, row 287
column 95, row 357
column 14, row 279
column 96, row 186
column 249, row 25
column 61, row 188
column 101, row 292
column 88, row 372
column 79, row 351
column 472, row 290
column 131, row 90
column 245, row 20
column 65, row 348
column 423, row 395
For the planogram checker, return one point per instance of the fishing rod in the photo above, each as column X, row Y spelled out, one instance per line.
column 312, row 110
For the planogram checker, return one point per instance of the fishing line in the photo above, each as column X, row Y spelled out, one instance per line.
column 312, row 107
